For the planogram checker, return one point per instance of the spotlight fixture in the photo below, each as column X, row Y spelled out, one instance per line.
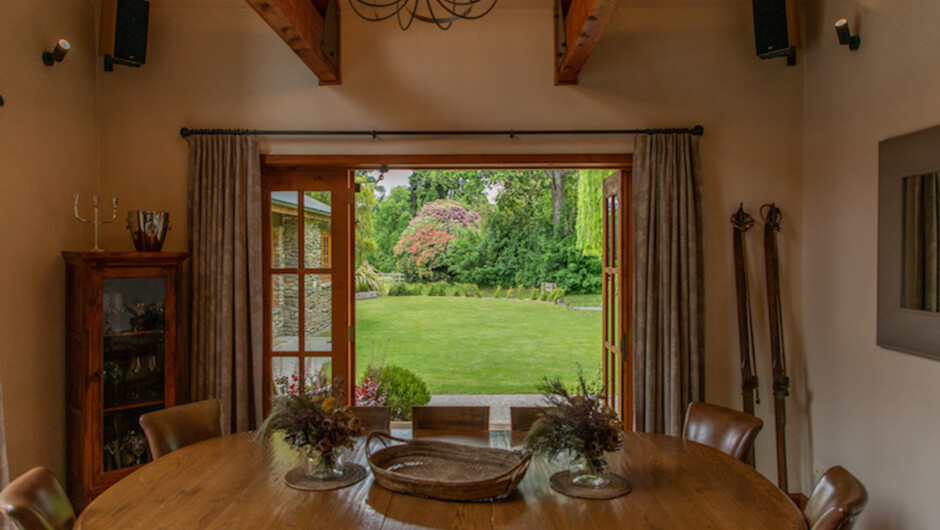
column 845, row 34
column 444, row 14
column 55, row 56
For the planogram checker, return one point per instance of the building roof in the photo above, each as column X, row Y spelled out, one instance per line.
column 289, row 198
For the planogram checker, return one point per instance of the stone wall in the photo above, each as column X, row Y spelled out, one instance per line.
column 285, row 296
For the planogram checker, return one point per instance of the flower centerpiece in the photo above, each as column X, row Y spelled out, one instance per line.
column 578, row 424
column 313, row 423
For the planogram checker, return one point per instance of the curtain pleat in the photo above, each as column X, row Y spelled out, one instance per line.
column 226, row 357
column 669, row 284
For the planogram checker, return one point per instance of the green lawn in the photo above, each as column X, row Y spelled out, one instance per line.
column 478, row 346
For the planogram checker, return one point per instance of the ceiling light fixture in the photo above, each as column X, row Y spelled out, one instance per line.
column 440, row 12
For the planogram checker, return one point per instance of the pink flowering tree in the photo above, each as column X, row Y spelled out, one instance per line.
column 421, row 250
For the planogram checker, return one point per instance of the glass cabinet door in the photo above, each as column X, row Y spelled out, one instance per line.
column 134, row 332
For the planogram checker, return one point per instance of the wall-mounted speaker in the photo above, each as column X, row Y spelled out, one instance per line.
column 124, row 32
column 776, row 29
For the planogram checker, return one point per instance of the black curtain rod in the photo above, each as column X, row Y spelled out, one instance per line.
column 186, row 132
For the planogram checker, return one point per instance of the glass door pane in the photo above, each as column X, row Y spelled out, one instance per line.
column 134, row 335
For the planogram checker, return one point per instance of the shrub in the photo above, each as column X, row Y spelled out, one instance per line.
column 520, row 292
column 557, row 295
column 474, row 290
column 404, row 390
column 438, row 289
column 511, row 293
column 368, row 279
column 543, row 295
column 497, row 292
column 400, row 289
column 460, row 289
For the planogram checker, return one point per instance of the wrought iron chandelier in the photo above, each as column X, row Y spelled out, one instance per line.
column 440, row 12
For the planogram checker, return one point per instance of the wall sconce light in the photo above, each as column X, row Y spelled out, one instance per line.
column 55, row 56
column 845, row 34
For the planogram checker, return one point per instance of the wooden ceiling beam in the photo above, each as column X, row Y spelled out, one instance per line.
column 302, row 25
column 584, row 23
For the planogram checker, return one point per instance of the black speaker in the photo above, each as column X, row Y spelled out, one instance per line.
column 776, row 28
column 124, row 32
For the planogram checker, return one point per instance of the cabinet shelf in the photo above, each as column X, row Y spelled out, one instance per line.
column 133, row 333
column 142, row 404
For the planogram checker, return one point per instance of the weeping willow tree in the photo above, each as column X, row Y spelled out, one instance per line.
column 588, row 222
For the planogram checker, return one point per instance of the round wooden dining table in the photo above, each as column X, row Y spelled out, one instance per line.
column 233, row 482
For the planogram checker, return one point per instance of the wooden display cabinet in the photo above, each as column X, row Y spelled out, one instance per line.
column 123, row 360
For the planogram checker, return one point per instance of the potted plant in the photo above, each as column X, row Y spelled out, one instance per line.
column 581, row 425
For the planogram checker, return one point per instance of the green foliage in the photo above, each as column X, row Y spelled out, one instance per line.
column 511, row 293
column 543, row 295
column 404, row 289
column 405, row 390
column 368, row 279
column 464, row 185
column 366, row 245
column 588, row 225
column 438, row 289
column 459, row 290
column 474, row 290
column 557, row 295
column 422, row 248
column 498, row 292
column 392, row 216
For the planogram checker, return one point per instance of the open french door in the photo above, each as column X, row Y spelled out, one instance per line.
column 308, row 218
column 617, row 295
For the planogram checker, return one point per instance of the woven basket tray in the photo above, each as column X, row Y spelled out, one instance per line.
column 447, row 471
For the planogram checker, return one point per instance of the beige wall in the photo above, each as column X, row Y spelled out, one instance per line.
column 654, row 67
column 873, row 410
column 47, row 152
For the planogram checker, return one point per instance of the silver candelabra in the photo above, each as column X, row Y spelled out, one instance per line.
column 97, row 222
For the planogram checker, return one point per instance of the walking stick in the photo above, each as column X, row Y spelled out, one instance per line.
column 772, row 219
column 742, row 222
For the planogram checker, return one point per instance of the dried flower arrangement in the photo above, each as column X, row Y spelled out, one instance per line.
column 313, row 423
column 581, row 424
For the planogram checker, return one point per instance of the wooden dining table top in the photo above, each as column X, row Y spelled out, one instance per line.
column 234, row 482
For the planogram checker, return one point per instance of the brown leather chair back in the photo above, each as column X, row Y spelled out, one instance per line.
column 36, row 501
column 374, row 419
column 457, row 421
column 730, row 431
column 522, row 418
column 836, row 501
column 170, row 429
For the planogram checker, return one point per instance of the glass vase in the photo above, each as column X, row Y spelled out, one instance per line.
column 324, row 466
column 589, row 472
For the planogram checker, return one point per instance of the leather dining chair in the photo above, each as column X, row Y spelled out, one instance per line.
column 836, row 501
column 374, row 419
column 458, row 421
column 520, row 422
column 37, row 501
column 173, row 428
column 730, row 431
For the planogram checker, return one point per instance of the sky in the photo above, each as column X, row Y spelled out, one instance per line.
column 395, row 178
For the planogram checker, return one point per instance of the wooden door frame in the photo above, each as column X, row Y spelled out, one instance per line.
column 615, row 161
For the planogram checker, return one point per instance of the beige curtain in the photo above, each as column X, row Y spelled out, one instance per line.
column 668, row 338
column 226, row 357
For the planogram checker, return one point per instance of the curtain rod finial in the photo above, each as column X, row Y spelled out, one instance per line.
column 185, row 132
column 698, row 130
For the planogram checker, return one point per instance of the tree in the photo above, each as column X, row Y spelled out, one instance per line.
column 466, row 186
column 392, row 216
column 422, row 246
column 365, row 212
column 557, row 177
column 588, row 224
